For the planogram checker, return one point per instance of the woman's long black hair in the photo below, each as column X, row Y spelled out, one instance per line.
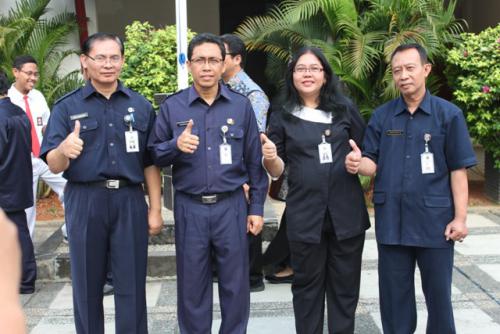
column 331, row 97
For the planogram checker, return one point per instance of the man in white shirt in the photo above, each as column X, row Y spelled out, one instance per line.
column 23, row 94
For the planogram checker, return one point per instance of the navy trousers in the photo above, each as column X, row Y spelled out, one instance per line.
column 199, row 229
column 396, row 270
column 28, row 275
column 100, row 222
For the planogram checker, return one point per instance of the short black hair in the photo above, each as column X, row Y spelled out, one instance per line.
column 101, row 36
column 19, row 61
column 206, row 37
column 421, row 51
column 4, row 83
column 236, row 47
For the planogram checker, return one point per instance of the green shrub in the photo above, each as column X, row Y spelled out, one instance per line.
column 150, row 59
column 474, row 74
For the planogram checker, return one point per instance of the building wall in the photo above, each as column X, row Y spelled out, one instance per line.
column 114, row 15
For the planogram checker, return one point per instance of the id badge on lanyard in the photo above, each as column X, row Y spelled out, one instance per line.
column 131, row 136
column 325, row 151
column 427, row 158
column 226, row 157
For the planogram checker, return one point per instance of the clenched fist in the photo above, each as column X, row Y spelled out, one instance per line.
column 268, row 148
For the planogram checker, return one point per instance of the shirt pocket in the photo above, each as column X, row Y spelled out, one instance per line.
column 437, row 201
column 88, row 133
column 235, row 137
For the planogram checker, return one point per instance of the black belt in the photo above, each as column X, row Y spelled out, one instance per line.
column 110, row 184
column 210, row 198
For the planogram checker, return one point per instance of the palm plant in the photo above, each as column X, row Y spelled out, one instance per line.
column 357, row 36
column 25, row 30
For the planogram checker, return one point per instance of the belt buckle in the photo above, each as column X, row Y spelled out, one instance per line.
column 113, row 184
column 209, row 199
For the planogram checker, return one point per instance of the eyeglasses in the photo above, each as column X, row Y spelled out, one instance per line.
column 211, row 61
column 304, row 69
column 101, row 59
column 31, row 74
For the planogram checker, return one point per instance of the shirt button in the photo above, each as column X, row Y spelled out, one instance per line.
column 407, row 157
column 110, row 124
column 113, row 162
column 410, row 137
column 209, row 166
column 209, row 148
column 111, row 144
column 411, row 117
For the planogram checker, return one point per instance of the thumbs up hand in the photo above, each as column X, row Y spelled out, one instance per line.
column 187, row 142
column 72, row 146
column 268, row 148
column 353, row 159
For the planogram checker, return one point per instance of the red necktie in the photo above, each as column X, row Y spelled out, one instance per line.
column 35, row 144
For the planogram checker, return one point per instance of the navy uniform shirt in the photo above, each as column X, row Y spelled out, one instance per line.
column 102, row 129
column 412, row 208
column 202, row 172
column 16, row 172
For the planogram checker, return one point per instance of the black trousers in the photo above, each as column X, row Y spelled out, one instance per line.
column 28, row 275
column 277, row 255
column 331, row 268
column 255, row 258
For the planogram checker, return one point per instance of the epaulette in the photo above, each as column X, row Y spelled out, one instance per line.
column 66, row 95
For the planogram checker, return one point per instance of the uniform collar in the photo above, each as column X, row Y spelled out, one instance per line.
column 89, row 89
column 17, row 94
column 424, row 106
column 193, row 94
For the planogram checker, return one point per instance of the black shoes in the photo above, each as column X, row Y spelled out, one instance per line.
column 273, row 279
column 257, row 286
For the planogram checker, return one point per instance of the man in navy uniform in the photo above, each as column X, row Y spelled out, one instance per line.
column 97, row 135
column 419, row 147
column 16, row 193
column 236, row 78
column 210, row 136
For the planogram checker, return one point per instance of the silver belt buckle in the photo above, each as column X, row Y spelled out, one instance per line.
column 209, row 199
column 113, row 184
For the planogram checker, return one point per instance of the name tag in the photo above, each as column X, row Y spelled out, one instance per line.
column 427, row 162
column 79, row 116
column 325, row 153
column 39, row 121
column 132, row 141
column 394, row 132
column 226, row 157
column 183, row 123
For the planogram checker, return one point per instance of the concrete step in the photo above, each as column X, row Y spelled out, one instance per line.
column 53, row 260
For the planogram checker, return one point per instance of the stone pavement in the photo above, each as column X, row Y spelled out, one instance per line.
column 476, row 293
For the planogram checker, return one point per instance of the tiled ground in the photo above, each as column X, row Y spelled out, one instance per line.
column 476, row 294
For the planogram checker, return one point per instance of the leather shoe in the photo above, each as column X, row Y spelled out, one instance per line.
column 273, row 279
column 257, row 286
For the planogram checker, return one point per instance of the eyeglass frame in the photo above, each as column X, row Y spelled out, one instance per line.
column 113, row 60
column 312, row 69
column 31, row 74
column 209, row 61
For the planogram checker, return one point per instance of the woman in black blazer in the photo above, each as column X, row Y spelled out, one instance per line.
column 325, row 208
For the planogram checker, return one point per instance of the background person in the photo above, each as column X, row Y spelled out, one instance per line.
column 419, row 147
column 32, row 101
column 16, row 193
column 325, row 209
column 236, row 78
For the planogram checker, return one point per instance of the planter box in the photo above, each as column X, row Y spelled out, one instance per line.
column 491, row 178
